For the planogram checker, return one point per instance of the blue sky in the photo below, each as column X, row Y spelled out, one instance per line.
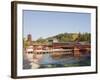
column 45, row 24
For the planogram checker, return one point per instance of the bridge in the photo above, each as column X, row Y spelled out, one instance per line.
column 75, row 50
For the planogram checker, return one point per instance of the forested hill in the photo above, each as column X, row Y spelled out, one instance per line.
column 63, row 37
column 66, row 37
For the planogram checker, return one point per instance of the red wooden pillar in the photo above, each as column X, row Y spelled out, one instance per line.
column 76, row 52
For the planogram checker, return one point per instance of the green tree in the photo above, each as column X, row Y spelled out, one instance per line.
column 41, row 40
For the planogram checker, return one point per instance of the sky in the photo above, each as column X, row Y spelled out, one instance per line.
column 48, row 23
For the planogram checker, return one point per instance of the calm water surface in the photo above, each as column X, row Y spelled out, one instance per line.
column 48, row 61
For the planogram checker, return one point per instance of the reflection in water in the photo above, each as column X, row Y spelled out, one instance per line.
column 47, row 61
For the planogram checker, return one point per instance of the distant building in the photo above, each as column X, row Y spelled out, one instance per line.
column 50, row 42
column 29, row 39
column 55, row 40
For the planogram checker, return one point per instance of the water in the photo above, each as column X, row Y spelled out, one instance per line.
column 48, row 61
